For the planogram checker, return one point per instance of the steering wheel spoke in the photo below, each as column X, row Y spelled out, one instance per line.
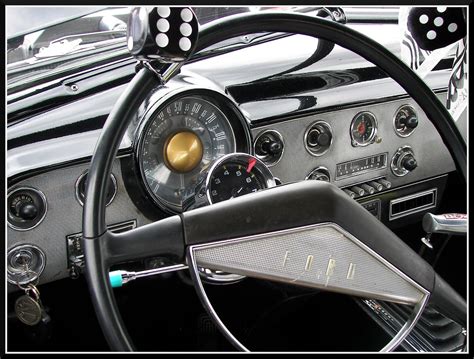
column 162, row 238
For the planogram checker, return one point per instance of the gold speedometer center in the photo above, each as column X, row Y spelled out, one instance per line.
column 183, row 151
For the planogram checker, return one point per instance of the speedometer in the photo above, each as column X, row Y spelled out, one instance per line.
column 177, row 142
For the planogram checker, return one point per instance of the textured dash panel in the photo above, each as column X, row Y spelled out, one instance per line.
column 319, row 256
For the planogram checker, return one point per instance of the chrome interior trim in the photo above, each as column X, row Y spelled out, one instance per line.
column 397, row 131
column 373, row 135
column 262, row 158
column 194, row 271
column 433, row 191
column 305, row 138
column 393, row 344
column 408, row 326
column 149, row 115
column 325, row 169
column 45, row 203
column 262, row 167
column 76, row 185
column 10, row 270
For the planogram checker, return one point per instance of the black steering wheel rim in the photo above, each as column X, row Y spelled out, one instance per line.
column 94, row 225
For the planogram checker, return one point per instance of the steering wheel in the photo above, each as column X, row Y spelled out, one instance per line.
column 283, row 246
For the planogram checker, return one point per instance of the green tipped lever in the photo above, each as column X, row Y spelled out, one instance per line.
column 116, row 279
column 120, row 277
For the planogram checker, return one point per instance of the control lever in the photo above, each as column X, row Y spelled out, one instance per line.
column 448, row 223
column 119, row 277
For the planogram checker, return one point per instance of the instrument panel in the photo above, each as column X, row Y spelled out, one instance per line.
column 179, row 141
column 363, row 144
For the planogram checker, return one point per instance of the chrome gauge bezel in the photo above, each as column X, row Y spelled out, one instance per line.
column 403, row 132
column 236, row 121
column 319, row 168
column 77, row 191
column 373, row 135
column 237, row 157
column 395, row 163
column 11, row 271
column 43, row 199
column 267, row 159
column 317, row 152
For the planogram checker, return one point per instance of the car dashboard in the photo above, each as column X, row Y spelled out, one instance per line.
column 339, row 119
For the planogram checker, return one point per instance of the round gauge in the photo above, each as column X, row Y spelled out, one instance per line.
column 363, row 129
column 180, row 140
column 27, row 208
column 236, row 175
column 319, row 174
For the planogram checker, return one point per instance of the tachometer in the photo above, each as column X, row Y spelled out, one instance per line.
column 236, row 175
column 181, row 139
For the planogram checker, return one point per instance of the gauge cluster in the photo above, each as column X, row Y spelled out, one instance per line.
column 180, row 141
column 359, row 144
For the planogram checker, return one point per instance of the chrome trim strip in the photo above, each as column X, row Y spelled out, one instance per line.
column 193, row 269
column 408, row 326
column 396, row 340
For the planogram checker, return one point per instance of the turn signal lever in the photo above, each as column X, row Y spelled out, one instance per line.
column 449, row 223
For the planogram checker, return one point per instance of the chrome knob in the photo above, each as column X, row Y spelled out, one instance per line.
column 359, row 191
column 368, row 189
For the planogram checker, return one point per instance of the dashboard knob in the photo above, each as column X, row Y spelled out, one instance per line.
column 350, row 193
column 385, row 183
column 359, row 191
column 27, row 211
column 368, row 189
column 376, row 185
column 409, row 121
column 319, row 137
column 409, row 162
column 271, row 147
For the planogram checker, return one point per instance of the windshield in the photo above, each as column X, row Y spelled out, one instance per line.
column 56, row 31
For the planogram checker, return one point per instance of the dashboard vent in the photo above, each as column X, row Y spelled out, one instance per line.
column 417, row 202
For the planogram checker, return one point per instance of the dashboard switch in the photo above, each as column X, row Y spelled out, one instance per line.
column 350, row 193
column 403, row 161
column 385, row 183
column 368, row 189
column 405, row 121
column 269, row 147
column 409, row 121
column 359, row 191
column 378, row 186
column 318, row 138
column 27, row 211
column 409, row 162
